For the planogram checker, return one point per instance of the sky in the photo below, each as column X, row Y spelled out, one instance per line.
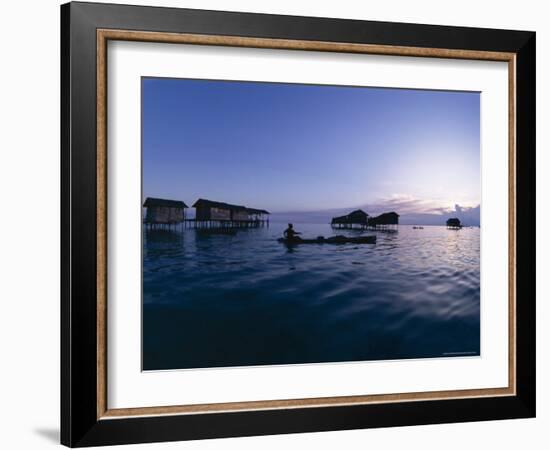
column 306, row 148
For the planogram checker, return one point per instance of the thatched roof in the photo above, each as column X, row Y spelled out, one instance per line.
column 453, row 222
column 357, row 216
column 204, row 203
column 257, row 211
column 389, row 218
column 150, row 201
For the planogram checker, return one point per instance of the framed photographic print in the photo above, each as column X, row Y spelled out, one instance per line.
column 276, row 224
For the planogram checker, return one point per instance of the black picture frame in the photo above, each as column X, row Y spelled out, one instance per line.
column 80, row 425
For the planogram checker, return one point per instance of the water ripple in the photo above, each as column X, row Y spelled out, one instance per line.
column 224, row 300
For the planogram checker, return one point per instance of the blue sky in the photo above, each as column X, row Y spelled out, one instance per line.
column 295, row 147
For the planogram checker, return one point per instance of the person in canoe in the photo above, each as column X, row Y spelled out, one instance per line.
column 291, row 235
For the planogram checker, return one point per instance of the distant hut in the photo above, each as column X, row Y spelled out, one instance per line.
column 454, row 223
column 211, row 213
column 384, row 221
column 355, row 218
column 162, row 212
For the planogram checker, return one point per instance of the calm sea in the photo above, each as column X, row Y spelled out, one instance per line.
column 214, row 301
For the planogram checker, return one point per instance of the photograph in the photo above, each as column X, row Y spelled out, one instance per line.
column 279, row 220
column 287, row 223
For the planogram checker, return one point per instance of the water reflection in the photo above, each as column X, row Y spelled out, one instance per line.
column 245, row 299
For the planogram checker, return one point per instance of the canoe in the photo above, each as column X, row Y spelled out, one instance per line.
column 331, row 240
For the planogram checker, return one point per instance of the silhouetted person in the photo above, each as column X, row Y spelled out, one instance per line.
column 290, row 234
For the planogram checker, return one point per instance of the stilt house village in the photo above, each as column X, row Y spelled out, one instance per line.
column 359, row 219
column 210, row 214
column 162, row 213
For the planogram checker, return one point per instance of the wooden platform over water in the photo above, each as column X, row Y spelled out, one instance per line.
column 225, row 224
column 364, row 227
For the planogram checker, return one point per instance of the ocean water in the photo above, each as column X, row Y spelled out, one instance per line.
column 219, row 300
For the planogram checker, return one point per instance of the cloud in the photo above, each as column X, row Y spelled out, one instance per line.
column 406, row 204
column 412, row 211
column 415, row 211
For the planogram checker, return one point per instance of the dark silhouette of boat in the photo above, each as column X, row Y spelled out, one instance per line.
column 330, row 240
